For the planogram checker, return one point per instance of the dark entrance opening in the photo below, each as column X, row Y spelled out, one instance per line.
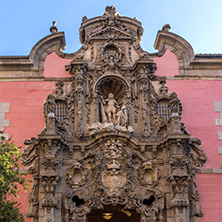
column 113, row 214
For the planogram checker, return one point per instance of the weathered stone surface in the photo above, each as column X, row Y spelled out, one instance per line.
column 218, row 106
column 219, row 135
column 4, row 122
column 220, row 150
column 113, row 135
column 4, row 107
column 218, row 122
column 2, row 116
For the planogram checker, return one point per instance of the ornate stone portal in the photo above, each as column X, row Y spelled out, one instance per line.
column 113, row 136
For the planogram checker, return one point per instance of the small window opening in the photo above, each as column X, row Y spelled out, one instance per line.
column 77, row 201
column 163, row 109
column 61, row 110
column 149, row 201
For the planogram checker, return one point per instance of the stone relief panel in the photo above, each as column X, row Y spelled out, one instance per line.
column 113, row 135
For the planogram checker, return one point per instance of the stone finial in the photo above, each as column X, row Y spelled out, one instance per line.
column 110, row 10
column 53, row 28
column 84, row 18
column 166, row 28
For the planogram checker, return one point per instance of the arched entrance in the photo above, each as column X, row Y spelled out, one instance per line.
column 113, row 214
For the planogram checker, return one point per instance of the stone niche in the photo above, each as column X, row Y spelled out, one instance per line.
column 113, row 147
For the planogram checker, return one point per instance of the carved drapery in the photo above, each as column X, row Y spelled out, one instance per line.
column 106, row 143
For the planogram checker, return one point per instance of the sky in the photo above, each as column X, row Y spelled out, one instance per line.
column 24, row 22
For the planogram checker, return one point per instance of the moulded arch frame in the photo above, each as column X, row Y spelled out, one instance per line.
column 110, row 75
column 178, row 45
column 51, row 43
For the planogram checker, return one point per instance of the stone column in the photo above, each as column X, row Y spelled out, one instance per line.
column 95, row 109
column 79, row 111
column 49, row 202
column 179, row 180
column 144, row 105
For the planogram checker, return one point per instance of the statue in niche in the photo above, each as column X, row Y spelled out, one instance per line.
column 111, row 108
column 122, row 117
column 111, row 118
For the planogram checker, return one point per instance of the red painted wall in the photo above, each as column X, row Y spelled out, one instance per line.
column 197, row 96
column 25, row 114
column 54, row 66
column 167, row 65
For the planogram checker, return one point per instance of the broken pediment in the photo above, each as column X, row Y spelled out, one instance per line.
column 110, row 25
column 110, row 33
column 122, row 35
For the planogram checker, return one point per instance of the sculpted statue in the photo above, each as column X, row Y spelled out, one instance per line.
column 49, row 105
column 111, row 108
column 122, row 117
column 112, row 117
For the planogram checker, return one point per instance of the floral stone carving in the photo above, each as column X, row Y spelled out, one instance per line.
column 107, row 142
column 76, row 175
column 149, row 174
column 114, row 150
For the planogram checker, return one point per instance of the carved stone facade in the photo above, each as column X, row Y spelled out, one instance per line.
column 113, row 135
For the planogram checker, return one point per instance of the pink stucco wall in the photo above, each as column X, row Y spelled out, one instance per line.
column 197, row 96
column 167, row 64
column 210, row 187
column 26, row 100
column 54, row 66
column 25, row 114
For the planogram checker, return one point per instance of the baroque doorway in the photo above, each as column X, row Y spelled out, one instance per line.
column 113, row 140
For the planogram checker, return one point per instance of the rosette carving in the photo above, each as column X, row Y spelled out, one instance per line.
column 77, row 175
column 148, row 174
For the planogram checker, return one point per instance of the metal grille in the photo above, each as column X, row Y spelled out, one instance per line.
column 61, row 110
column 163, row 109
